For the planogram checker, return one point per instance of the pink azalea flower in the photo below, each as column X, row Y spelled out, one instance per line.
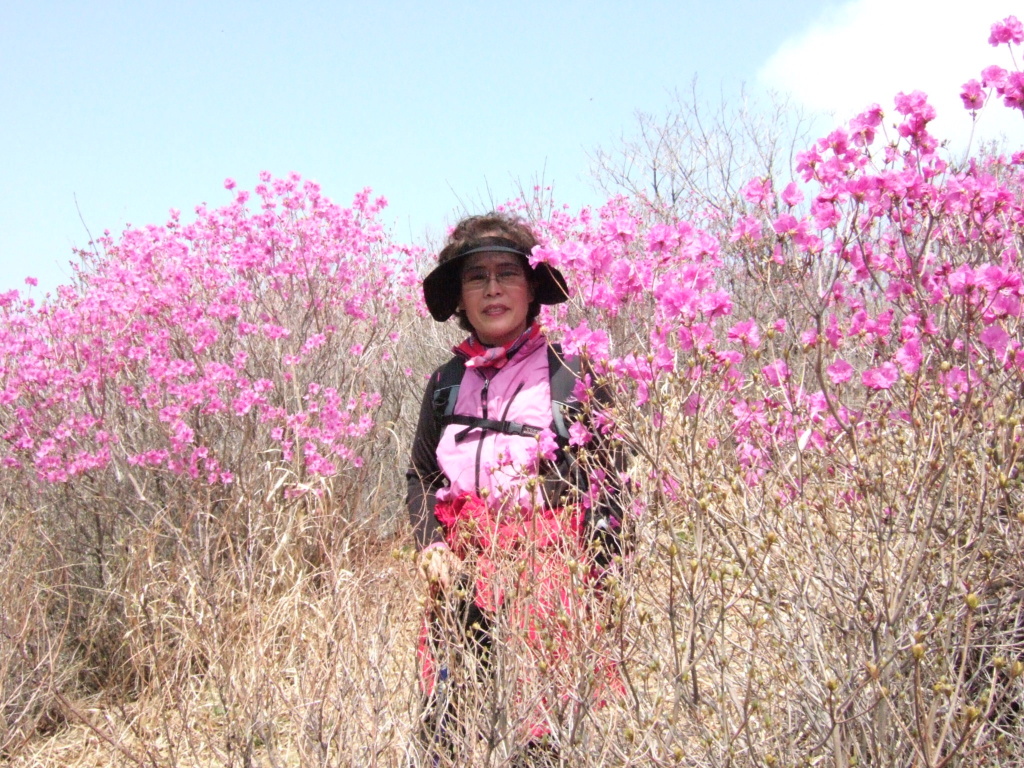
column 840, row 371
column 1009, row 30
column 272, row 331
column 993, row 76
column 996, row 339
column 915, row 103
column 961, row 280
column 1013, row 90
column 972, row 95
column 582, row 339
column 693, row 405
column 817, row 406
column 807, row 163
column 314, row 341
column 954, row 382
column 547, row 445
column 994, row 278
column 833, row 334
column 882, row 377
column 792, row 195
column 746, row 333
column 758, row 191
column 662, row 238
column 716, row 304
column 746, row 227
column 786, row 224
column 578, row 434
column 863, row 126
column 621, row 229
column 776, row 373
column 909, row 356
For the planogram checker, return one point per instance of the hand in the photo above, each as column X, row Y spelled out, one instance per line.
column 439, row 564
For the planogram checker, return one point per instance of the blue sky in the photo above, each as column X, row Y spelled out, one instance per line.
column 115, row 112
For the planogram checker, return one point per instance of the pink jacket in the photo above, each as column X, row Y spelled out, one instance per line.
column 496, row 466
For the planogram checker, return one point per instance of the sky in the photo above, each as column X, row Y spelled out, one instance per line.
column 113, row 113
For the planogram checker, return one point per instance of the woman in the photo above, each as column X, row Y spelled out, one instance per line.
column 490, row 483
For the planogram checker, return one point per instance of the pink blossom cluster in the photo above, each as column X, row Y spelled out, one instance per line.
column 876, row 286
column 193, row 348
column 1009, row 84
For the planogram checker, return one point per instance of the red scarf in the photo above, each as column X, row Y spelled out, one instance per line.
column 479, row 356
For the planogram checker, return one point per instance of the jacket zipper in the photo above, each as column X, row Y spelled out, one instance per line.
column 504, row 416
column 480, row 444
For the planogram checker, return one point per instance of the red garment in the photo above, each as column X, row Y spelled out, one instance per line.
column 546, row 539
column 530, row 568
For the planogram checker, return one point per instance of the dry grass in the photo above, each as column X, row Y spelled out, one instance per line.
column 744, row 636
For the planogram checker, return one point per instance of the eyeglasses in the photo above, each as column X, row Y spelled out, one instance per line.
column 478, row 278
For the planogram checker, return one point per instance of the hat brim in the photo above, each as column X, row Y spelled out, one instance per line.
column 442, row 288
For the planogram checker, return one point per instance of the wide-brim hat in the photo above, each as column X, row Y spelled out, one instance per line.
column 442, row 288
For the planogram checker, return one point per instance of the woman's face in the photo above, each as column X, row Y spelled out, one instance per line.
column 496, row 295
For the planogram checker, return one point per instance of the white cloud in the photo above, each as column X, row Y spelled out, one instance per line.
column 866, row 51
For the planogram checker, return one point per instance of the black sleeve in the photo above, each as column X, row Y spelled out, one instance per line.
column 605, row 518
column 424, row 476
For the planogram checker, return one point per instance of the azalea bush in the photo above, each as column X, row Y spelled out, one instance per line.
column 825, row 402
column 816, row 386
column 205, row 396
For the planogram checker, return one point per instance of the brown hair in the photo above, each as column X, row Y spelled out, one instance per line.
column 493, row 224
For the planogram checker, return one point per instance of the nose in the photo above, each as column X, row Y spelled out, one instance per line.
column 492, row 279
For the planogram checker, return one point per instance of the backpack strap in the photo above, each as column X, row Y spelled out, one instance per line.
column 491, row 425
column 446, row 392
column 563, row 372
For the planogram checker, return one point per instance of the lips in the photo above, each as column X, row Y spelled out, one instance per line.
column 495, row 310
